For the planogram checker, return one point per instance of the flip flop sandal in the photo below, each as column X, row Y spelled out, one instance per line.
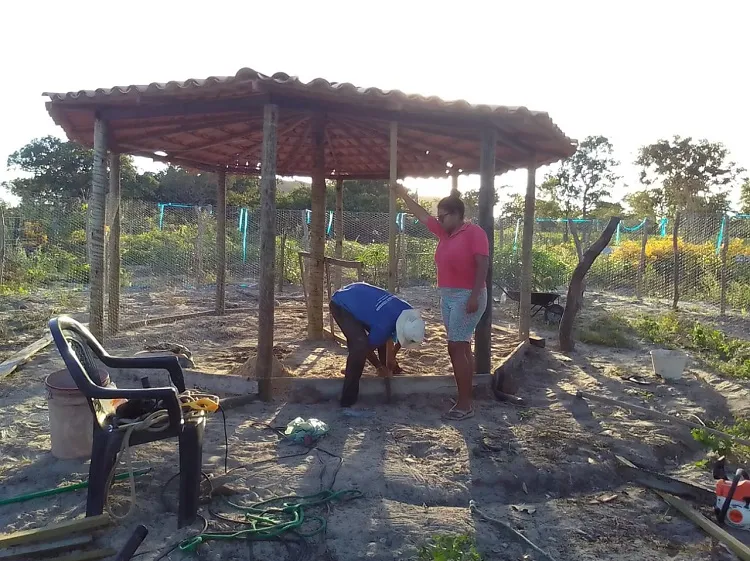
column 458, row 415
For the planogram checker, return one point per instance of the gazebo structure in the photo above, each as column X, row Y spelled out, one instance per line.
column 251, row 123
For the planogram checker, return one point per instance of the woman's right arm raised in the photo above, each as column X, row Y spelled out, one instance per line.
column 414, row 207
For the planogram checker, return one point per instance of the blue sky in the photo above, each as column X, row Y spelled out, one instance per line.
column 633, row 71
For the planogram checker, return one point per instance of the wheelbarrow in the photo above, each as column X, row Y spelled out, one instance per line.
column 547, row 301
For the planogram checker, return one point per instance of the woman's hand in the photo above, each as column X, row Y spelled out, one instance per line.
column 472, row 304
column 400, row 191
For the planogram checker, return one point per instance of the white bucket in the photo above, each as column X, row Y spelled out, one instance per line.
column 71, row 423
column 668, row 364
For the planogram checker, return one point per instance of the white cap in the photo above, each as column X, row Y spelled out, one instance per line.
column 410, row 329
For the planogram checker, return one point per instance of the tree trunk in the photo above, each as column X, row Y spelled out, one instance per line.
column 576, row 283
column 316, row 270
column 579, row 252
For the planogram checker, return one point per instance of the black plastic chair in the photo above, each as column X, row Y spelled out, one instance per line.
column 76, row 345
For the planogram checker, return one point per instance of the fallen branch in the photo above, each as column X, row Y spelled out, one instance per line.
column 473, row 508
column 660, row 415
column 576, row 284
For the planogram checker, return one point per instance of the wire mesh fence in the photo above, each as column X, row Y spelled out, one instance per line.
column 169, row 259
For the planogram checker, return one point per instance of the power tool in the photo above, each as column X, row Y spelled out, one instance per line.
column 732, row 496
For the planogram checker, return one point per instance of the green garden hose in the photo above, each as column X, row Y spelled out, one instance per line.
column 266, row 521
column 65, row 488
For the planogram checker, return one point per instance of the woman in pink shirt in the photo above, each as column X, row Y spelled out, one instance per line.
column 462, row 260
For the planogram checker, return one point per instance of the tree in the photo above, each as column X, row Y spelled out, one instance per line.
column 647, row 203
column 471, row 202
column 604, row 210
column 583, row 180
column 688, row 175
column 61, row 174
column 514, row 207
column 745, row 197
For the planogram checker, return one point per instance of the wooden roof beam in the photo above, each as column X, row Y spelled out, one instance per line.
column 167, row 130
column 404, row 147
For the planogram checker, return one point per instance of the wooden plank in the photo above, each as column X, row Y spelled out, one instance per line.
column 640, row 282
column 316, row 264
column 26, row 551
column 114, row 259
column 483, row 332
column 54, row 531
column 393, row 166
column 96, row 213
column 724, row 271
column 662, row 482
column 711, row 528
column 264, row 364
column 334, row 336
column 23, row 356
column 221, row 242
column 90, row 555
column 658, row 414
column 524, row 305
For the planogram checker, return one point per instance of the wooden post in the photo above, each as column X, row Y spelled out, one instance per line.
column 221, row 242
column 483, row 332
column 2, row 243
column 500, row 232
column 454, row 184
column 264, row 362
column 97, row 208
column 724, row 272
column 199, row 245
column 338, row 227
column 282, row 261
column 113, row 249
column 524, row 306
column 392, row 257
column 641, row 280
column 676, row 264
column 316, row 267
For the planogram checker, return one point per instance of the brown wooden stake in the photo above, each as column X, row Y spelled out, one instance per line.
column 572, row 303
column 483, row 332
column 113, row 245
column 282, row 262
column 500, row 232
column 315, row 271
column 338, row 227
column 724, row 271
column 640, row 284
column 392, row 257
column 676, row 264
column 266, row 296
column 97, row 208
column 221, row 242
column 524, row 305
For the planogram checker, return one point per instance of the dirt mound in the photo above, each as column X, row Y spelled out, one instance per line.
column 248, row 369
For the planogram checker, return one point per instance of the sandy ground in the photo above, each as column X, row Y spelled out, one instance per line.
column 548, row 469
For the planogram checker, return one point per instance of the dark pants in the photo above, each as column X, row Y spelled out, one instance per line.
column 359, row 347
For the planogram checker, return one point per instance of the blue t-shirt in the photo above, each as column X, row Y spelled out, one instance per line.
column 378, row 309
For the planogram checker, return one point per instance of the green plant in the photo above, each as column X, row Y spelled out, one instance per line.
column 726, row 446
column 449, row 548
column 727, row 355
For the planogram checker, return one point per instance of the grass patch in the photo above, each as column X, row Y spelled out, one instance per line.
column 725, row 446
column 727, row 355
column 450, row 548
column 608, row 330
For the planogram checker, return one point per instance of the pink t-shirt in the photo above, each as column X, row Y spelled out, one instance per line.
column 454, row 256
